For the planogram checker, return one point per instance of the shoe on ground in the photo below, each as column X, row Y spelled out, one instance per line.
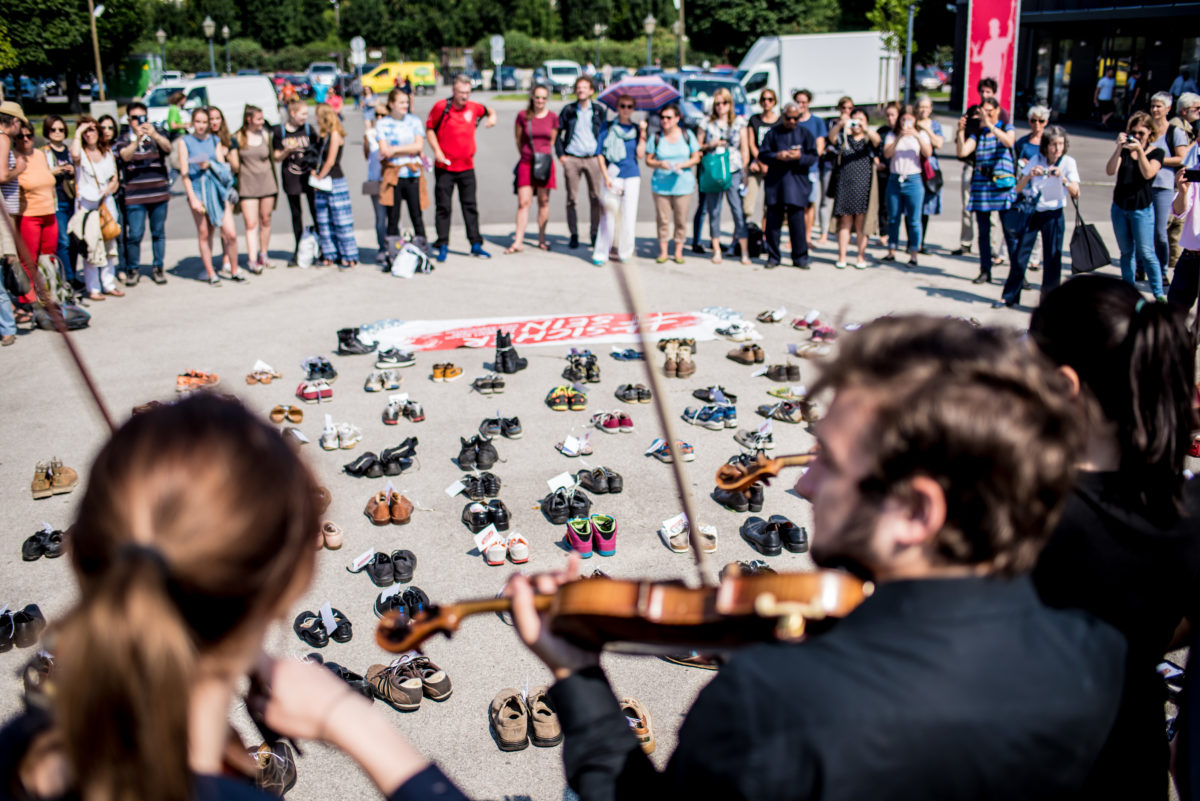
column 545, row 731
column 275, row 768
column 349, row 343
column 509, row 720
column 478, row 252
column 435, row 684
column 764, row 538
column 394, row 357
column 965, row 250
column 398, row 690
column 440, row 252
column 574, row 243
column 793, row 537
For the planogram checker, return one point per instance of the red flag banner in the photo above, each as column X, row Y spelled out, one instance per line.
column 992, row 49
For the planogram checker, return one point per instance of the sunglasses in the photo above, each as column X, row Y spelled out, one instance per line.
column 721, row 103
column 58, row 129
column 666, row 117
column 106, row 127
column 767, row 99
column 23, row 136
column 792, row 119
column 629, row 106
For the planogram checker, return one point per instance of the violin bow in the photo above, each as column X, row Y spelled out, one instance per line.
column 56, row 316
column 631, row 290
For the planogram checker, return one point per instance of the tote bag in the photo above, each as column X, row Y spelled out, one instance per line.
column 715, row 175
column 1087, row 248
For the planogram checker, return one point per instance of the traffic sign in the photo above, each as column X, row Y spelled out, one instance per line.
column 358, row 58
column 497, row 42
column 358, row 45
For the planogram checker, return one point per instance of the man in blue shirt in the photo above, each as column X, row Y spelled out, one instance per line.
column 790, row 152
column 580, row 132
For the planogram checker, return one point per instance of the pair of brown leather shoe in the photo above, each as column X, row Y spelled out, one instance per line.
column 53, row 478
column 383, row 509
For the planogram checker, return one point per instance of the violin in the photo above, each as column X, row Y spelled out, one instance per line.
column 658, row 616
column 736, row 478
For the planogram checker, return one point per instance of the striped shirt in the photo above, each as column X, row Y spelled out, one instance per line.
column 991, row 158
column 143, row 177
column 11, row 190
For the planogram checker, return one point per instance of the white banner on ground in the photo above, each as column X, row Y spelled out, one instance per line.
column 567, row 329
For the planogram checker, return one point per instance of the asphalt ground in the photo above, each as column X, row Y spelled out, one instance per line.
column 135, row 346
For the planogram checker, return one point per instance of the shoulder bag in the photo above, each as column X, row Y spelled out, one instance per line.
column 323, row 184
column 1088, row 252
column 109, row 228
column 715, row 175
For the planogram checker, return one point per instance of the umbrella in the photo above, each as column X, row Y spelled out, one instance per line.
column 649, row 92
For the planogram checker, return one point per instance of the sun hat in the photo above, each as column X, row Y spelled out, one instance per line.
column 13, row 110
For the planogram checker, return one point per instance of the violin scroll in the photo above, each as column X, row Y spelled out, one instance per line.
column 736, row 478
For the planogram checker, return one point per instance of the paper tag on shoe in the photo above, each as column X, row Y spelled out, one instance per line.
column 361, row 561
column 561, row 481
column 46, row 527
column 570, row 446
column 455, row 488
column 799, row 390
column 852, row 326
column 780, row 312
column 327, row 617
column 262, row 366
column 487, row 538
column 758, row 372
column 329, row 421
column 395, row 589
column 811, row 317
column 580, row 388
column 401, row 398
column 765, row 428
column 719, row 397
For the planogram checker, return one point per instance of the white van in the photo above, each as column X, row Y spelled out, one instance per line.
column 156, row 101
column 232, row 95
column 559, row 75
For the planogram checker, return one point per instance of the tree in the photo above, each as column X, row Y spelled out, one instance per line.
column 730, row 27
column 8, row 53
column 267, row 21
column 43, row 31
column 890, row 17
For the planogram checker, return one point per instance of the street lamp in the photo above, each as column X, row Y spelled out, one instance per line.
column 677, row 29
column 209, row 27
column 225, row 36
column 648, row 25
column 161, row 36
column 599, row 30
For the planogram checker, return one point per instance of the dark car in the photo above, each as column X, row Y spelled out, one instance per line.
column 303, row 85
column 476, row 78
column 248, row 72
column 505, row 79
column 650, row 71
column 618, row 74
column 207, row 74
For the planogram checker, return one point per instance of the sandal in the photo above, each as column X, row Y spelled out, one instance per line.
column 514, row 249
column 775, row 316
column 661, row 260
column 116, row 293
column 95, row 296
column 309, row 628
column 544, row 245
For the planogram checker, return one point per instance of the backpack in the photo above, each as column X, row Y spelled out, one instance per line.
column 308, row 249
column 411, row 259
column 754, row 240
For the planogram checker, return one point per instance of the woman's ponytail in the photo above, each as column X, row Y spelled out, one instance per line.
column 125, row 664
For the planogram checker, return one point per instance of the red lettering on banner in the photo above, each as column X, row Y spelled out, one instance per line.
column 541, row 330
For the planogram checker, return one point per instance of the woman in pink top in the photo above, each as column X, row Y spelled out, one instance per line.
column 535, row 130
column 37, row 222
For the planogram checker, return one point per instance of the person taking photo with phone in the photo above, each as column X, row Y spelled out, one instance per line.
column 142, row 152
column 1135, row 163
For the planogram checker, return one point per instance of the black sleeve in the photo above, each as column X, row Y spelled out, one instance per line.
column 428, row 785
column 277, row 138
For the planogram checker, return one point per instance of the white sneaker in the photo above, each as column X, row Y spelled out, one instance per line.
column 329, row 438
column 391, row 379
column 841, row 265
column 860, row 265
column 518, row 549
column 374, row 382
column 348, row 436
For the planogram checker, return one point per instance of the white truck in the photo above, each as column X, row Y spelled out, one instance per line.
column 830, row 65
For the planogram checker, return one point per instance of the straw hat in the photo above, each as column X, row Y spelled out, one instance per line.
column 13, row 110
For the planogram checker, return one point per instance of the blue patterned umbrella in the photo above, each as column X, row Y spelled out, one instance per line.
column 649, row 92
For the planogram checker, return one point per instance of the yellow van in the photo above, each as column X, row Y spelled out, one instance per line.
column 422, row 74
column 382, row 79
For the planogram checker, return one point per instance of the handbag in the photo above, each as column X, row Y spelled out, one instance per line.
column 110, row 229
column 1088, row 252
column 322, row 184
column 715, row 175
column 370, row 188
column 539, row 172
column 15, row 277
column 1016, row 218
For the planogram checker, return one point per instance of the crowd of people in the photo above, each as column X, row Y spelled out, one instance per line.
column 825, row 178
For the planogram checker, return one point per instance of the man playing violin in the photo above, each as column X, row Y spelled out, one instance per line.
column 943, row 461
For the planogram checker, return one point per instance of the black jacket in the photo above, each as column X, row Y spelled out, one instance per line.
column 566, row 126
column 949, row 689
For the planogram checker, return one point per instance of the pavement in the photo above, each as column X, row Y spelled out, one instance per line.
column 136, row 345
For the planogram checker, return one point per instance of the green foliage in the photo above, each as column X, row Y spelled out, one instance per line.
column 44, row 32
column 8, row 53
column 730, row 27
column 891, row 18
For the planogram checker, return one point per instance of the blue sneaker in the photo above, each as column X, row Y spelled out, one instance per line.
column 731, row 420
column 440, row 252
column 478, row 252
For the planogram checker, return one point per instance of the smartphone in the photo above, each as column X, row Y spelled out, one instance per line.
column 1193, row 176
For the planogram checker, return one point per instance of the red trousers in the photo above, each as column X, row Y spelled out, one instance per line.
column 41, row 237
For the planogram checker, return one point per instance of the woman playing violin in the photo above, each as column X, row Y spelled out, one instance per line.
column 952, row 681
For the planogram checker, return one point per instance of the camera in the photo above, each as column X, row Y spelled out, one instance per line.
column 853, row 123
column 984, row 170
column 138, row 119
column 973, row 124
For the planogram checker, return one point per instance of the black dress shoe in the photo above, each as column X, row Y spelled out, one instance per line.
column 475, row 517
column 982, row 278
column 733, row 500
column 490, row 484
column 498, row 514
column 6, row 631
column 574, row 243
column 754, row 498
column 310, row 629
column 794, row 538
column 380, row 570
column 803, row 264
column 466, row 455
column 698, row 248
column 764, row 538
column 963, row 251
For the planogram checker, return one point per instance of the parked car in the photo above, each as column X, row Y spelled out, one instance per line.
column 697, row 88
column 156, row 101
column 476, row 78
column 232, row 95
column 382, row 79
column 422, row 74
column 650, row 71
column 170, row 76
column 248, row 72
column 505, row 79
column 324, row 72
column 618, row 74
column 559, row 75
column 30, row 89
column 206, row 74
column 927, row 79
